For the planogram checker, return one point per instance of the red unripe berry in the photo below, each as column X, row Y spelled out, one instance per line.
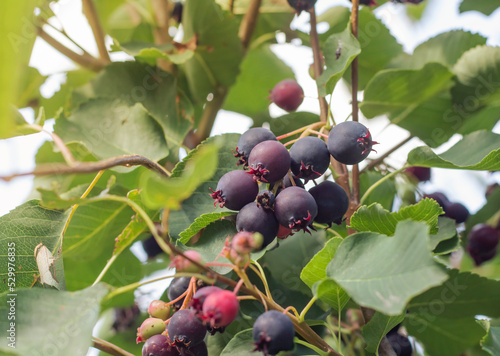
column 220, row 308
column 287, row 94
column 200, row 296
column 182, row 264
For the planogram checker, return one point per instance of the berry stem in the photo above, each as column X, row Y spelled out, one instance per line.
column 379, row 160
column 260, row 273
column 66, row 153
column 90, row 12
column 306, row 308
column 312, row 347
column 316, row 125
column 109, row 348
column 379, row 182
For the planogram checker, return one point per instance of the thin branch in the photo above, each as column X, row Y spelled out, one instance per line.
column 249, row 22
column 65, row 34
column 91, row 167
column 162, row 16
column 90, row 12
column 68, row 156
column 85, row 60
column 379, row 160
column 109, row 348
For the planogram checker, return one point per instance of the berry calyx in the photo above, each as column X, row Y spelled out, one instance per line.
column 249, row 140
column 220, row 308
column 185, row 329
column 482, row 243
column 266, row 199
column 246, row 242
column 295, row 208
column 288, row 94
column 273, row 332
column 234, row 190
column 269, row 161
column 182, row 264
column 350, row 142
column 148, row 328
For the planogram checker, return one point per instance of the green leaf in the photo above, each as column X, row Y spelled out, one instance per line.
column 29, row 95
column 20, row 232
column 159, row 192
column 478, row 78
column 393, row 89
column 241, row 344
column 219, row 51
column 110, row 127
column 50, row 322
column 491, row 341
column 385, row 192
column 483, row 153
column 384, row 273
column 200, row 202
column 486, row 7
column 150, row 53
column 374, row 218
column 446, row 239
column 335, row 67
column 446, row 48
column 268, row 6
column 261, row 70
column 375, row 330
column 315, row 272
column 155, row 89
column 378, row 47
column 483, row 119
column 442, row 336
column 200, row 223
column 462, row 295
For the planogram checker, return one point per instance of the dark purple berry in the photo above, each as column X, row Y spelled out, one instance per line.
column 249, row 140
column 457, row 212
column 265, row 199
column 235, row 190
column 350, row 142
column 296, row 208
column 332, row 201
column 159, row 345
column 440, row 198
column 220, row 308
column 151, row 247
column 200, row 296
column 197, row 350
column 285, row 183
column 288, row 94
column 176, row 288
column 367, row 2
column 185, row 329
column 400, row 344
column 422, row 174
column 269, row 161
column 177, row 12
column 253, row 218
column 273, row 332
column 309, row 158
column 482, row 243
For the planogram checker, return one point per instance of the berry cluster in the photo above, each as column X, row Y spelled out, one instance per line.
column 455, row 211
column 284, row 205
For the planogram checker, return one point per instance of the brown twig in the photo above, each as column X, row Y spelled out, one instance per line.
column 90, row 167
column 249, row 22
column 379, row 160
column 68, row 156
column 90, row 13
column 162, row 16
column 85, row 60
column 109, row 348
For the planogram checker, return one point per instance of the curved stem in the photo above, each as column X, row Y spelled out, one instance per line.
column 379, row 182
column 307, row 307
column 109, row 348
column 66, row 153
column 90, row 13
column 312, row 347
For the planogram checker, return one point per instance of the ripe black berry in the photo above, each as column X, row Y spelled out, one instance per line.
column 273, row 332
column 151, row 247
column 332, row 201
column 235, row 190
column 309, row 158
column 269, row 161
column 400, row 344
column 197, row 350
column 440, row 198
column 177, row 12
column 350, row 142
column 178, row 286
column 220, row 308
column 482, row 243
column 159, row 345
column 457, row 212
column 422, row 174
column 288, row 94
column 367, row 2
column 253, row 218
column 296, row 208
column 185, row 329
column 249, row 140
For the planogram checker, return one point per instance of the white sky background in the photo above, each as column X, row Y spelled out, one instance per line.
column 440, row 16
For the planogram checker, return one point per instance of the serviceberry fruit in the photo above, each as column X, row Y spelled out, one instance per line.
column 200, row 296
column 249, row 140
column 457, row 212
column 288, row 94
column 309, row 158
column 400, row 344
column 422, row 174
column 234, row 190
column 266, row 199
column 273, row 332
column 367, row 2
column 151, row 247
column 159, row 309
column 177, row 11
column 246, row 242
column 482, row 243
column 269, row 161
column 440, row 198
column 148, row 328
column 332, row 202
column 350, row 142
column 185, row 329
column 176, row 288
column 182, row 264
column 220, row 308
column 296, row 208
column 197, row 350
column 159, row 345
column 253, row 218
